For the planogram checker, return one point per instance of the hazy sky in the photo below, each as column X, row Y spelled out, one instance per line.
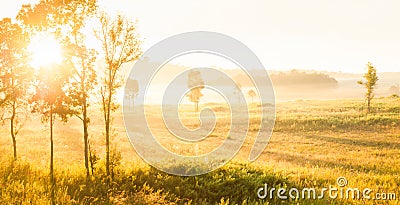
column 336, row 35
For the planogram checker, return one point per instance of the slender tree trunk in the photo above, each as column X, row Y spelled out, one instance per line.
column 107, row 147
column 108, row 136
column 51, row 157
column 12, row 120
column 133, row 103
column 369, row 104
column 107, row 122
column 85, row 139
column 85, row 119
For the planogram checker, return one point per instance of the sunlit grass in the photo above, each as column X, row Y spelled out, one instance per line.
column 314, row 143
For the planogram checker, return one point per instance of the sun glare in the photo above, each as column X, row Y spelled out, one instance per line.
column 45, row 51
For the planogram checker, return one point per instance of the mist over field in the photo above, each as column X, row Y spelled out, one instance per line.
column 295, row 84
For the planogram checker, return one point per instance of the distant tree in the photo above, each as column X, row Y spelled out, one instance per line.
column 15, row 76
column 371, row 79
column 50, row 101
column 132, row 89
column 237, row 91
column 394, row 89
column 195, row 84
column 252, row 94
column 120, row 45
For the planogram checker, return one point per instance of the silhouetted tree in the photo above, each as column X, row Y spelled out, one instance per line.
column 195, row 84
column 70, row 17
column 120, row 45
column 394, row 89
column 371, row 79
column 83, row 58
column 15, row 76
column 49, row 99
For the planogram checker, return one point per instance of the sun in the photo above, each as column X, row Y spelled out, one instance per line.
column 45, row 50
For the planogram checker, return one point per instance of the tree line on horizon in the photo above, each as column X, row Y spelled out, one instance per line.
column 302, row 78
column 61, row 91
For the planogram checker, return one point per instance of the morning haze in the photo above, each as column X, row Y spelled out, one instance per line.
column 333, row 119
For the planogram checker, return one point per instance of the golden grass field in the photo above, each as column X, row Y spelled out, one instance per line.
column 314, row 142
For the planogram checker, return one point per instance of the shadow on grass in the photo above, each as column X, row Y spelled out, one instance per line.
column 356, row 142
column 236, row 182
column 303, row 160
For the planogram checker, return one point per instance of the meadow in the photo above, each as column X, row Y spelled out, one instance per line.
column 314, row 142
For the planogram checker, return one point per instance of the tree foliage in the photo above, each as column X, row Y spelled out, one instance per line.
column 55, row 13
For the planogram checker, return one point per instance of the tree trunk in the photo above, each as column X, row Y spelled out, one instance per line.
column 85, row 139
column 108, row 147
column 107, row 121
column 133, row 103
column 14, row 146
column 13, row 133
column 369, row 105
column 51, row 157
column 85, row 119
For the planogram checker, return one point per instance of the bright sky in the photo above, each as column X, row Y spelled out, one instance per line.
column 336, row 35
